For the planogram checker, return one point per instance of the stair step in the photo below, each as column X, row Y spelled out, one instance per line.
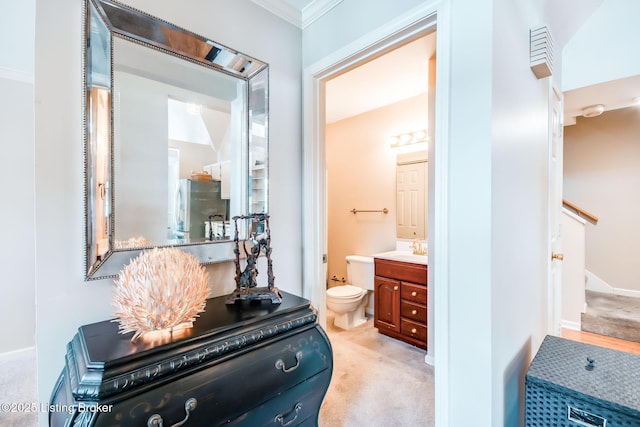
column 612, row 315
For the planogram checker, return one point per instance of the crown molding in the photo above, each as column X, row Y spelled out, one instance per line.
column 316, row 9
column 300, row 18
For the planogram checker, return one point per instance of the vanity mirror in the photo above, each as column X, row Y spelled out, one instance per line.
column 176, row 139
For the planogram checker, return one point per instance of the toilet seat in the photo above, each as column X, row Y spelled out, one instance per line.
column 345, row 292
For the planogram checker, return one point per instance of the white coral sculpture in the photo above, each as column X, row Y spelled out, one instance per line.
column 160, row 289
column 133, row 242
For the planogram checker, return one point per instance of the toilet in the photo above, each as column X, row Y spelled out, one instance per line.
column 349, row 301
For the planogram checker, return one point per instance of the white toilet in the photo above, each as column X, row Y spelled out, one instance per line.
column 349, row 301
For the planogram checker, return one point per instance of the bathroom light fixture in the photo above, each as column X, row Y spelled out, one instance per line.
column 409, row 138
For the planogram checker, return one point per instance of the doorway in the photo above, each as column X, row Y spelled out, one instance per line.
column 366, row 109
column 412, row 26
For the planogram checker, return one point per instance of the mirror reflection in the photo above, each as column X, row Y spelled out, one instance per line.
column 176, row 139
column 177, row 149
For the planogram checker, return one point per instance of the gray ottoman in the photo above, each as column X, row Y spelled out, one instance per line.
column 574, row 384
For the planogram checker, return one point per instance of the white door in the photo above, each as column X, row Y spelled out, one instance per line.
column 555, row 254
column 411, row 201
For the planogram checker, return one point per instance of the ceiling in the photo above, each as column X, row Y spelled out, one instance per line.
column 400, row 74
column 611, row 95
column 393, row 83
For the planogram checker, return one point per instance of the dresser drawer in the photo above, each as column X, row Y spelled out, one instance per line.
column 413, row 329
column 415, row 312
column 224, row 389
column 297, row 406
column 413, row 293
column 416, row 273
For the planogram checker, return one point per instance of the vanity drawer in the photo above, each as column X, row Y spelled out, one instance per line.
column 416, row 273
column 414, row 293
column 297, row 406
column 224, row 390
column 413, row 329
column 415, row 312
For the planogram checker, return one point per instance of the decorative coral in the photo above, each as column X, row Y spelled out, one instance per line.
column 133, row 242
column 161, row 289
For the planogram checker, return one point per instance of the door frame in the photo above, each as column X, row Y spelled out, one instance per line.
column 554, row 266
column 413, row 24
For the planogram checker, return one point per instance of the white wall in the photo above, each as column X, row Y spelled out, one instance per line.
column 17, row 246
column 65, row 301
column 573, row 270
column 519, row 206
column 346, row 22
column 609, row 36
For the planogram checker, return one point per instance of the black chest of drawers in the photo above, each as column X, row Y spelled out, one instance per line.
column 253, row 364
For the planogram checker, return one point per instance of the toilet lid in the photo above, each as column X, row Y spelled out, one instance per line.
column 344, row 291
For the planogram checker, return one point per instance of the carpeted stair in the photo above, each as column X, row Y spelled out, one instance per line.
column 612, row 315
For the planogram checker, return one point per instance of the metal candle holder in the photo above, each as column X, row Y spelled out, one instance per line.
column 259, row 241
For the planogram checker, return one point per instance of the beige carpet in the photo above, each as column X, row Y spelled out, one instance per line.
column 612, row 315
column 377, row 381
column 18, row 390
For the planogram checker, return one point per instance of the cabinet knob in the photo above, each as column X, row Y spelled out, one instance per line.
column 395, row 288
column 414, row 293
column 414, row 312
column 414, row 330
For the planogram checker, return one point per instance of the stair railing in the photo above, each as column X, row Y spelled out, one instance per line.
column 580, row 212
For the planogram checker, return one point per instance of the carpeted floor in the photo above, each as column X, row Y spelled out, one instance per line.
column 18, row 390
column 612, row 315
column 377, row 381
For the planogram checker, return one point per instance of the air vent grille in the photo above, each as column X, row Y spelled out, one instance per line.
column 541, row 52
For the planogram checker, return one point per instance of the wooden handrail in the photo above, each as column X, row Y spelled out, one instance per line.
column 581, row 212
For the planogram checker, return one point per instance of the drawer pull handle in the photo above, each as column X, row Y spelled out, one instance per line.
column 414, row 330
column 280, row 363
column 395, row 288
column 280, row 417
column 155, row 420
column 414, row 312
column 414, row 293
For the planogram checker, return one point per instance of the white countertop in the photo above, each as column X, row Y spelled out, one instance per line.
column 403, row 256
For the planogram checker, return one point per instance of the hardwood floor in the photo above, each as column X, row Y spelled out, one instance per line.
column 602, row 341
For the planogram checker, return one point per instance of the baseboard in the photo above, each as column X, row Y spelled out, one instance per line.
column 596, row 284
column 15, row 354
column 429, row 360
column 574, row 326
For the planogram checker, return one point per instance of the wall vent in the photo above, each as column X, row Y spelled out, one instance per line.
column 541, row 52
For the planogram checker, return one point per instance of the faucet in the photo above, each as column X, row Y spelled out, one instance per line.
column 211, row 218
column 417, row 247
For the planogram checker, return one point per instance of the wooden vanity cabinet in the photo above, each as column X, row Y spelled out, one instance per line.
column 241, row 365
column 400, row 309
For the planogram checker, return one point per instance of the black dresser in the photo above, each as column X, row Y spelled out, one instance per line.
column 254, row 364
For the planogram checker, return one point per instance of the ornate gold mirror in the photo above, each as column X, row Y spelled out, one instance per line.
column 176, row 139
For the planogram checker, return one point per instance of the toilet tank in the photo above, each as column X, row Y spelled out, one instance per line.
column 360, row 271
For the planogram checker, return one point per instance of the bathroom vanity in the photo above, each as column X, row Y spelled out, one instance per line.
column 245, row 364
column 401, row 297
